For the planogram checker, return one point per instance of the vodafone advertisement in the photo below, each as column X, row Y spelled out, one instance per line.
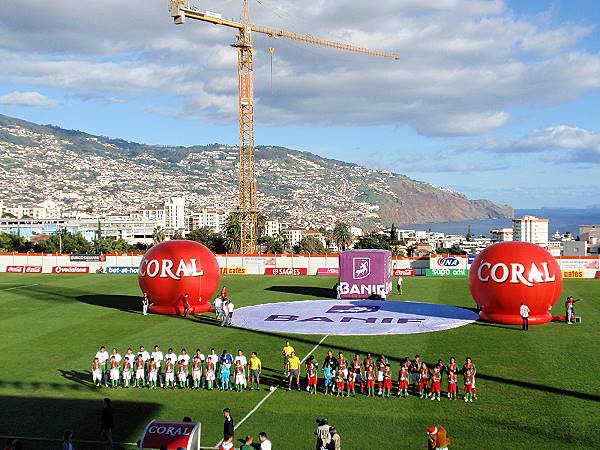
column 70, row 269
column 23, row 269
column 286, row 271
column 171, row 435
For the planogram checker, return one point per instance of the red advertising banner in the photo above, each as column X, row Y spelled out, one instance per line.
column 328, row 271
column 171, row 435
column 24, row 269
column 403, row 272
column 70, row 269
column 286, row 271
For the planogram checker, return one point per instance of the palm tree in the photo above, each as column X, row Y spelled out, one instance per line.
column 232, row 233
column 158, row 234
column 341, row 235
column 328, row 236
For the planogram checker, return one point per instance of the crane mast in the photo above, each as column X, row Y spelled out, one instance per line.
column 248, row 208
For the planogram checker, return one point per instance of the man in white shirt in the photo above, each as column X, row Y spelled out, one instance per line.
column 218, row 304
column 243, row 361
column 225, row 313
column 214, row 359
column 158, row 359
column 265, row 443
column 144, row 354
column 229, row 312
column 184, row 356
column 102, row 356
column 400, row 281
column 172, row 356
column 524, row 310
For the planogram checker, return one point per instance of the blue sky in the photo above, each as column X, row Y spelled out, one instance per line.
column 495, row 99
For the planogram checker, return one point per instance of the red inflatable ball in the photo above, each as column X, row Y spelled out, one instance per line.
column 507, row 274
column 172, row 269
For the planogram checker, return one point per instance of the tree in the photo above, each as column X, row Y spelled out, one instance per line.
column 469, row 235
column 158, row 235
column 341, row 235
column 177, row 236
column 309, row 244
column 207, row 236
column 271, row 245
column 373, row 239
column 14, row 243
column 394, row 235
column 328, row 236
column 232, row 233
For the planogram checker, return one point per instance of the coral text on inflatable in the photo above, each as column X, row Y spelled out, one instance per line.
column 514, row 273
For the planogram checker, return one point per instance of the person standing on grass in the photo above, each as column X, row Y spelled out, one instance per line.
column 335, row 443
column 228, row 425
column 524, row 311
column 230, row 308
column 225, row 313
column 145, row 303
column 227, row 443
column 400, row 282
column 255, row 368
column 265, row 443
column 107, row 423
column 248, row 443
column 158, row 360
column 67, row 440
column 218, row 305
column 322, row 433
column 293, row 369
column 102, row 356
column 286, row 352
column 186, row 304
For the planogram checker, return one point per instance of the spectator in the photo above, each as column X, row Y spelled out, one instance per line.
column 225, row 313
column 227, row 443
column 186, row 419
column 107, row 424
column 228, row 426
column 524, row 311
column 67, row 443
column 9, row 444
column 265, row 443
column 248, row 443
column 145, row 304
column 323, row 434
column 335, row 443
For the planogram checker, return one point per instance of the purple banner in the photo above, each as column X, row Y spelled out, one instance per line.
column 365, row 274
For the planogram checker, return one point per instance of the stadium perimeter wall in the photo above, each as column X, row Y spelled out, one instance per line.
column 435, row 265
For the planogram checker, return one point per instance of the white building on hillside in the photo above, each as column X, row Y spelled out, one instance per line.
column 531, row 229
column 175, row 213
column 273, row 228
column 215, row 219
column 502, row 235
column 293, row 235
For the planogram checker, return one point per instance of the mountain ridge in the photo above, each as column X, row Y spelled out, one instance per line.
column 297, row 186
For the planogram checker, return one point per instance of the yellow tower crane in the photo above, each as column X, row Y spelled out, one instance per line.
column 248, row 211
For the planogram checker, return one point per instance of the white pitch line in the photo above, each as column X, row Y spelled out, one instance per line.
column 19, row 287
column 264, row 399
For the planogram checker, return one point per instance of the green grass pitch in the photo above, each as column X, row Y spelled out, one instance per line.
column 538, row 389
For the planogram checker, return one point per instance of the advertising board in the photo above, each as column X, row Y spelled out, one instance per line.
column 403, row 272
column 446, row 272
column 70, row 269
column 121, row 270
column 328, row 271
column 23, row 269
column 286, row 271
column 233, row 270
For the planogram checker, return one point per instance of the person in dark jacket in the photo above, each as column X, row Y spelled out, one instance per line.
column 228, row 426
column 107, row 423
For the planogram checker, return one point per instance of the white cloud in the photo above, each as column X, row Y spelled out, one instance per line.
column 29, row 99
column 577, row 144
column 464, row 63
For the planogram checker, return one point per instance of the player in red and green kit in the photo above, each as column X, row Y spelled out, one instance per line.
column 126, row 372
column 97, row 372
column 152, row 374
column 452, row 384
column 469, row 386
column 387, row 381
column 436, row 386
column 423, row 380
column 470, row 366
column 311, row 375
column 140, row 377
column 370, row 375
column 403, row 380
column 351, row 380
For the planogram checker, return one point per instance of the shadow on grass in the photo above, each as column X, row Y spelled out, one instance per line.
column 496, row 325
column 311, row 291
column 126, row 303
column 352, row 350
column 44, row 420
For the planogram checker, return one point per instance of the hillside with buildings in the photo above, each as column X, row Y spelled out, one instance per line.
column 86, row 174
